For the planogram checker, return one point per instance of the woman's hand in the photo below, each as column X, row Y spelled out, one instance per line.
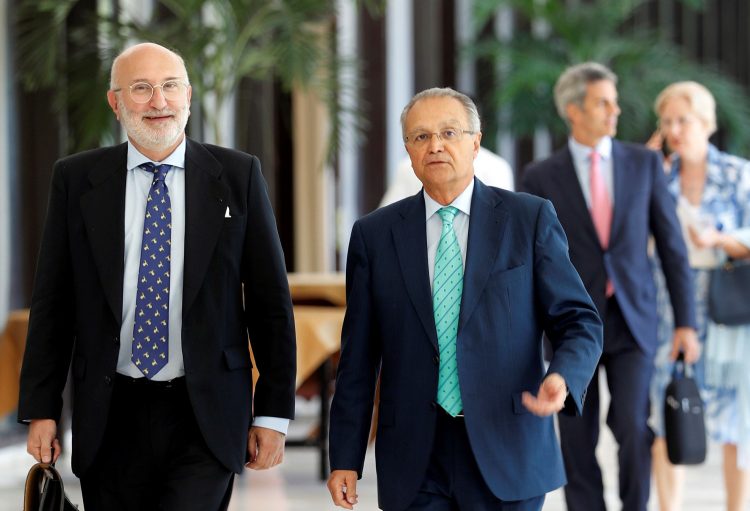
column 656, row 141
column 709, row 237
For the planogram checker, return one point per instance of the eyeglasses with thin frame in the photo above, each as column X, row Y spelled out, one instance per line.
column 142, row 92
column 448, row 135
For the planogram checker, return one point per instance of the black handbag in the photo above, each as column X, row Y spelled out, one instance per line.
column 729, row 294
column 684, row 422
column 44, row 490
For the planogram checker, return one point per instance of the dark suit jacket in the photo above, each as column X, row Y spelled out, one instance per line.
column 642, row 206
column 518, row 282
column 77, row 301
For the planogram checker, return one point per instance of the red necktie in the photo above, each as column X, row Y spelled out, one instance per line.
column 601, row 208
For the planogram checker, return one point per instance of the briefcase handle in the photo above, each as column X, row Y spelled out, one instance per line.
column 32, row 488
column 681, row 369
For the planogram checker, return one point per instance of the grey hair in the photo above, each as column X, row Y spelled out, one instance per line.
column 128, row 50
column 472, row 114
column 571, row 86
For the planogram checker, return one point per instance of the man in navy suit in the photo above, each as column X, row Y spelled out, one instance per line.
column 610, row 197
column 466, row 404
column 165, row 233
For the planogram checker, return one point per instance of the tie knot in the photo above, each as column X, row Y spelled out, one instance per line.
column 595, row 156
column 159, row 171
column 447, row 214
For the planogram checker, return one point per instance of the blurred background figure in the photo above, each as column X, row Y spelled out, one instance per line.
column 611, row 196
column 712, row 190
column 490, row 168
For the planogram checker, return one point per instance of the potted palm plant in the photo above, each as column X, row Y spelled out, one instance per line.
column 567, row 33
column 67, row 46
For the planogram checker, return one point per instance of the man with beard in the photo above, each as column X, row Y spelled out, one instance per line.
column 159, row 258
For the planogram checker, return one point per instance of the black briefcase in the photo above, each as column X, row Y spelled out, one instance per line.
column 44, row 490
column 684, row 422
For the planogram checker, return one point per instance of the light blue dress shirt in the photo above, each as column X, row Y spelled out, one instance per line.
column 137, row 186
column 582, row 162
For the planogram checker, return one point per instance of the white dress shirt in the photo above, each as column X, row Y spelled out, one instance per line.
column 434, row 226
column 137, row 186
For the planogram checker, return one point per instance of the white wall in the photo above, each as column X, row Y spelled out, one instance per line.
column 5, row 160
column 346, row 211
column 466, row 69
column 399, row 78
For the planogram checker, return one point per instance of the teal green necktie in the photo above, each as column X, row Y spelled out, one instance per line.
column 448, row 284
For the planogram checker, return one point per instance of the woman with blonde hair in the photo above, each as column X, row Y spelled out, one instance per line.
column 712, row 193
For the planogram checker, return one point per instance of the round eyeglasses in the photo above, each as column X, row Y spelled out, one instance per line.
column 142, row 92
column 446, row 135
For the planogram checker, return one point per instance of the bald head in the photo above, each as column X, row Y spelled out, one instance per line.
column 150, row 96
column 139, row 54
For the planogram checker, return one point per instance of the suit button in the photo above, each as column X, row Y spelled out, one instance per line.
column 116, row 338
column 433, row 405
column 436, row 360
column 108, row 381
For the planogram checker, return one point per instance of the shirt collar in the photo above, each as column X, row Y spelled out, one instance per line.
column 462, row 202
column 175, row 159
column 581, row 152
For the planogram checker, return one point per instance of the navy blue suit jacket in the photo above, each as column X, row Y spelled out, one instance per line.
column 518, row 283
column 642, row 206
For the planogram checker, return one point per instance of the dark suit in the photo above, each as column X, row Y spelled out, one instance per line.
column 77, row 302
column 642, row 206
column 518, row 282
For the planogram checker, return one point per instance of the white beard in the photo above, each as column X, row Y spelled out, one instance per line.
column 153, row 138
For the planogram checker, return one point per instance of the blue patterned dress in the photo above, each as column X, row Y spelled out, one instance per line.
column 724, row 369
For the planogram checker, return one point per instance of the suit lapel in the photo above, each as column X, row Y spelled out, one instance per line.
column 103, row 211
column 619, row 173
column 410, row 240
column 206, row 200
column 487, row 225
column 566, row 180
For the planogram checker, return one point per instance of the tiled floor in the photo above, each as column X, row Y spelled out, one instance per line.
column 294, row 486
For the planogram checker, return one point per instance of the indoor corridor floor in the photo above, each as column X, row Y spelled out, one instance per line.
column 294, row 486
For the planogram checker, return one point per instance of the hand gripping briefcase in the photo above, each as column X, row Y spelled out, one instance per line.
column 684, row 421
column 44, row 490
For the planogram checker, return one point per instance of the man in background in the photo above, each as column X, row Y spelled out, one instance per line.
column 610, row 197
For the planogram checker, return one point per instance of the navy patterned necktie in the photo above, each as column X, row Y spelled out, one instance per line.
column 151, row 329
